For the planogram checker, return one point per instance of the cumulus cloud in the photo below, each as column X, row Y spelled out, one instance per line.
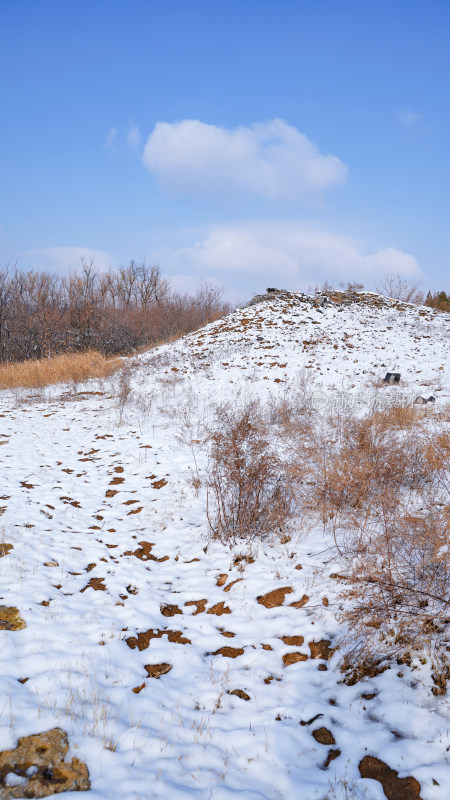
column 286, row 251
column 65, row 259
column 272, row 159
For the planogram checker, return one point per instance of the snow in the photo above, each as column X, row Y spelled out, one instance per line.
column 66, row 450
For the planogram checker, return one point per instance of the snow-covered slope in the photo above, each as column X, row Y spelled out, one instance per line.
column 113, row 573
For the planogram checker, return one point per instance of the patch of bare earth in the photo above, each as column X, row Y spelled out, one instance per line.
column 45, row 752
column 394, row 788
column 274, row 598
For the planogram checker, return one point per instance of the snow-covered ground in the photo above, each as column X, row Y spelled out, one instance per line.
column 113, row 570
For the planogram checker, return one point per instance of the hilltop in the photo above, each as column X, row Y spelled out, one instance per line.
column 177, row 664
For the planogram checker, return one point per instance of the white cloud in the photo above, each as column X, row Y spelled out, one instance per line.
column 408, row 117
column 272, row 159
column 285, row 251
column 111, row 138
column 65, row 259
column 134, row 137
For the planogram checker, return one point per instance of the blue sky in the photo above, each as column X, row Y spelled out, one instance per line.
column 252, row 142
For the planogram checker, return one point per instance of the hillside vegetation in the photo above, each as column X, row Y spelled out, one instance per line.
column 225, row 566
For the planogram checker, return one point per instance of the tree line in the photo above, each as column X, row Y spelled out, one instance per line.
column 119, row 311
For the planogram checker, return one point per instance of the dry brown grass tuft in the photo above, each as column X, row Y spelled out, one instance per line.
column 41, row 372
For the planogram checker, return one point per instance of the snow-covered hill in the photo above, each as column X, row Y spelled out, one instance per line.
column 115, row 578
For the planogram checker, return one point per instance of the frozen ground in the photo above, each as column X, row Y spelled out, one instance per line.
column 109, row 535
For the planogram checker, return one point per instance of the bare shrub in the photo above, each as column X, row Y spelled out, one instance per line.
column 382, row 487
column 407, row 290
column 355, row 461
column 400, row 581
column 248, row 491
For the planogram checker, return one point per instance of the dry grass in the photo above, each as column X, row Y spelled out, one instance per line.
column 381, row 485
column 42, row 372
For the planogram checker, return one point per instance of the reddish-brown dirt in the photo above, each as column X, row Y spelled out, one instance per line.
column 293, row 641
column 300, row 603
column 156, row 670
column 96, row 584
column 240, row 693
column 293, row 658
column 229, row 652
column 394, row 788
column 169, row 610
column 219, row 609
column 142, row 640
column 274, row 598
column 200, row 606
column 321, row 649
column 323, row 736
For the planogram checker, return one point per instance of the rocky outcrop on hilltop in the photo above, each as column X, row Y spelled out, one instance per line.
column 334, row 297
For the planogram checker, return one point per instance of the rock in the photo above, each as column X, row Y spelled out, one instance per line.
column 394, row 788
column 39, row 761
column 422, row 401
column 392, row 377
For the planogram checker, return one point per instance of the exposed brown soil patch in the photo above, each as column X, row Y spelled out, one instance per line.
column 227, row 588
column 144, row 553
column 293, row 658
column 300, row 603
column 135, row 511
column 227, row 634
column 91, row 566
column 293, row 641
column 156, row 670
column 323, row 736
column 240, row 693
column 222, row 579
column 159, row 484
column 46, row 751
column 219, row 609
column 321, row 649
column 5, row 549
column 116, row 481
column 10, row 619
column 200, row 606
column 96, row 584
column 266, row 647
column 333, row 753
column 229, row 652
column 137, row 689
column 111, row 492
column 142, row 640
column 394, row 788
column 275, row 597
column 169, row 610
